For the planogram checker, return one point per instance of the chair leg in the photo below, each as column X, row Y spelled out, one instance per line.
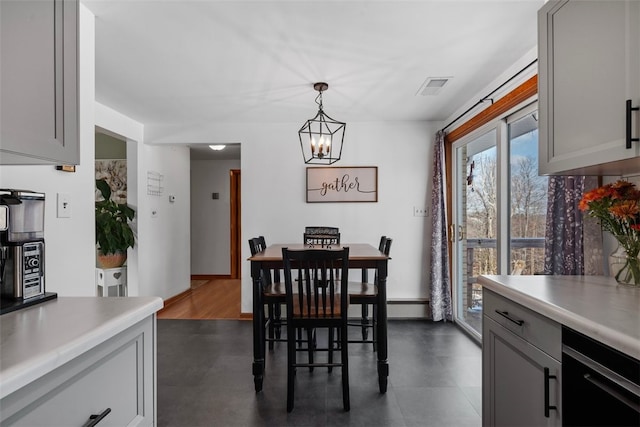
column 277, row 320
column 310, row 346
column 330, row 348
column 291, row 370
column 374, row 321
column 365, row 321
column 270, row 325
column 344, row 355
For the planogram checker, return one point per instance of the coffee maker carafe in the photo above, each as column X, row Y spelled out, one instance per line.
column 21, row 244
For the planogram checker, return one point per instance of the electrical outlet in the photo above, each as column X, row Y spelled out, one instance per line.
column 420, row 211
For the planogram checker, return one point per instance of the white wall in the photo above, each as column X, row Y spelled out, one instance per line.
column 69, row 242
column 164, row 251
column 273, row 190
column 210, row 219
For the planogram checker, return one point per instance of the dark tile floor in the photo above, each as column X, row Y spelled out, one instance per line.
column 204, row 379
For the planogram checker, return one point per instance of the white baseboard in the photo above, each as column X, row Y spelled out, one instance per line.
column 400, row 309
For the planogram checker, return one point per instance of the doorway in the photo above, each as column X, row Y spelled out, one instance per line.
column 235, row 229
column 111, row 165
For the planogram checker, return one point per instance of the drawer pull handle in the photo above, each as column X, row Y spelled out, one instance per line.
column 547, row 407
column 506, row 315
column 628, row 123
column 95, row 419
column 612, row 392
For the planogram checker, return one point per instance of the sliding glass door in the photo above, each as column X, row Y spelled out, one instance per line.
column 475, row 227
column 499, row 207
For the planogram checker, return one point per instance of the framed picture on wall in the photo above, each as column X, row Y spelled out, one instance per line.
column 342, row 184
column 115, row 173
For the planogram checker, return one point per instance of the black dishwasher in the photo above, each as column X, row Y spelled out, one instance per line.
column 600, row 385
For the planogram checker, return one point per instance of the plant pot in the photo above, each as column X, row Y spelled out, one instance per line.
column 624, row 267
column 111, row 260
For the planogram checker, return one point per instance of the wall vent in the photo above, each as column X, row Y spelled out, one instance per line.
column 433, row 86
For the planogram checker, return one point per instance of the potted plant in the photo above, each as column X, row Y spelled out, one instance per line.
column 113, row 231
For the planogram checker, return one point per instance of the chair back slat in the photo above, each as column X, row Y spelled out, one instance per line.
column 386, row 249
column 257, row 245
column 321, row 289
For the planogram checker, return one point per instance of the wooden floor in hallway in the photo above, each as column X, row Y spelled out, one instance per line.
column 207, row 299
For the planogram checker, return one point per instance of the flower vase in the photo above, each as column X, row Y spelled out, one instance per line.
column 624, row 268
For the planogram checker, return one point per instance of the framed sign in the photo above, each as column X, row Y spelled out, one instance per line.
column 342, row 184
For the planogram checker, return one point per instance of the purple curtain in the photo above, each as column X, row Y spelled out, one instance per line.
column 568, row 235
column 440, row 298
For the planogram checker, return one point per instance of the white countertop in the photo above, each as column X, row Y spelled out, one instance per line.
column 593, row 305
column 36, row 340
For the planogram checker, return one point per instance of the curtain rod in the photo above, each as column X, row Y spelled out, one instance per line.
column 486, row 97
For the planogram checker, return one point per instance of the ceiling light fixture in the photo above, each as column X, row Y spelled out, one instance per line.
column 217, row 147
column 321, row 137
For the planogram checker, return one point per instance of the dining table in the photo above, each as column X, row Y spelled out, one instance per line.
column 361, row 256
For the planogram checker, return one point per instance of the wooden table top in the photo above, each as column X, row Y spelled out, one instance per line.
column 357, row 251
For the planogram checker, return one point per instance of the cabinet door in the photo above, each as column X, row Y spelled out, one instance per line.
column 39, row 82
column 589, row 66
column 514, row 381
column 118, row 375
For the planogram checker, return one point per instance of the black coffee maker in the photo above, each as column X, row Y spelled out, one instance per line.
column 21, row 244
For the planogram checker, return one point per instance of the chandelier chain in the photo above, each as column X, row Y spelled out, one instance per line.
column 320, row 98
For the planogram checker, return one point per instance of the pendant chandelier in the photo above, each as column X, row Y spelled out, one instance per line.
column 321, row 137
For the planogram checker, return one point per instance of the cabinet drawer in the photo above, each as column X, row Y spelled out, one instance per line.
column 531, row 326
column 111, row 376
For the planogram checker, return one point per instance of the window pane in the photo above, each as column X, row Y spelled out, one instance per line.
column 528, row 198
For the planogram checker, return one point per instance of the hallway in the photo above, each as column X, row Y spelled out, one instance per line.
column 207, row 299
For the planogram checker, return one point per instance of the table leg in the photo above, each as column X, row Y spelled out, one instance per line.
column 258, row 327
column 383, row 364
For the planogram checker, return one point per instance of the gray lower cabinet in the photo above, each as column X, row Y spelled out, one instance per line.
column 521, row 368
column 39, row 82
column 116, row 378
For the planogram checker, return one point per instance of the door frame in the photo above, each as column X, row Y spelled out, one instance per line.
column 235, row 223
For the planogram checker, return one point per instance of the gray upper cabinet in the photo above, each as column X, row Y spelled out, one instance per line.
column 39, row 82
column 589, row 68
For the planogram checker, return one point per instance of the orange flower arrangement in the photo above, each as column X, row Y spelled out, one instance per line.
column 617, row 207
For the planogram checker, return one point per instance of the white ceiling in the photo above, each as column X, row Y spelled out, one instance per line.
column 188, row 62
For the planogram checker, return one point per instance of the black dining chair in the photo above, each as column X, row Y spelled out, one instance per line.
column 313, row 307
column 365, row 294
column 273, row 294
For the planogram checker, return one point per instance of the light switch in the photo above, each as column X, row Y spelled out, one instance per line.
column 64, row 205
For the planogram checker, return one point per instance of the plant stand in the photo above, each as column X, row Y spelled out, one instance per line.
column 111, row 282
